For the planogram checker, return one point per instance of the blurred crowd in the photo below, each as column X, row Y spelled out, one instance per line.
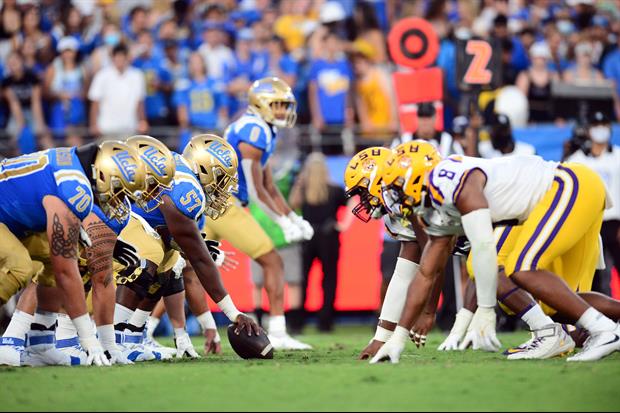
column 74, row 70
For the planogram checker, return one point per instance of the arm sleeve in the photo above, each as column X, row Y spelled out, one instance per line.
column 396, row 294
column 479, row 229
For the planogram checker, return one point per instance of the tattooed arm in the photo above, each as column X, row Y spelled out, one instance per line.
column 63, row 232
column 99, row 259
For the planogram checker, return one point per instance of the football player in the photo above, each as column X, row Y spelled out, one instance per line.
column 558, row 208
column 204, row 178
column 253, row 136
column 55, row 190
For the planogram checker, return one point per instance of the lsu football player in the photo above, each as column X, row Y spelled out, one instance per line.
column 207, row 167
column 363, row 176
column 558, row 209
column 271, row 105
column 54, row 191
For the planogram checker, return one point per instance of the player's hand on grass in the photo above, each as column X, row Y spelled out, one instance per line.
column 393, row 348
column 212, row 341
column 481, row 332
column 185, row 348
column 459, row 329
column 246, row 324
column 95, row 352
column 421, row 328
column 371, row 349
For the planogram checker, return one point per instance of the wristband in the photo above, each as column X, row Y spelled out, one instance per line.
column 228, row 307
column 382, row 334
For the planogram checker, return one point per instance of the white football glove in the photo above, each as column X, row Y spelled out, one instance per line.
column 116, row 356
column 481, row 332
column 95, row 352
column 463, row 318
column 393, row 348
column 185, row 348
column 292, row 232
column 306, row 229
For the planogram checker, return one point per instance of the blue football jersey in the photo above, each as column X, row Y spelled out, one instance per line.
column 253, row 130
column 186, row 193
column 27, row 179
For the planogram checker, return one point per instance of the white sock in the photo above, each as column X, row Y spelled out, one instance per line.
column 595, row 322
column 206, row 321
column 277, row 325
column 178, row 332
column 46, row 319
column 66, row 329
column 139, row 318
column 151, row 325
column 535, row 318
column 122, row 314
column 19, row 325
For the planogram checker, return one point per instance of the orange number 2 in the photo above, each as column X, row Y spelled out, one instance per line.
column 477, row 72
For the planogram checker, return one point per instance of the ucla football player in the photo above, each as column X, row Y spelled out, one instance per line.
column 206, row 174
column 55, row 191
column 271, row 105
column 559, row 209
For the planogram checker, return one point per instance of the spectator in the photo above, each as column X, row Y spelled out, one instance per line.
column 500, row 141
column 217, row 56
column 330, row 80
column 22, row 91
column 31, row 30
column 31, row 57
column 466, row 135
column 158, row 79
column 292, row 25
column 279, row 63
column 102, row 55
column 10, row 27
column 200, row 100
column 117, row 99
column 558, row 50
column 320, row 201
column 443, row 141
column 242, row 74
column 583, row 72
column 73, row 24
column 374, row 97
column 611, row 69
column 604, row 158
column 367, row 29
column 64, row 88
column 138, row 20
column 535, row 83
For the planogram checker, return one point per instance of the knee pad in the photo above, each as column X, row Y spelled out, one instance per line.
column 173, row 285
column 138, row 279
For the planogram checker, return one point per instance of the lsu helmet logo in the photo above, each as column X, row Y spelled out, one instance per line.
column 221, row 153
column 125, row 164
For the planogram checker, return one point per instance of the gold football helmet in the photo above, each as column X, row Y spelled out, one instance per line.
column 363, row 177
column 273, row 100
column 120, row 176
column 215, row 163
column 160, row 169
column 405, row 177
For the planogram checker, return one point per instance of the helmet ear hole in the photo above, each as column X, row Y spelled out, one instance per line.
column 416, row 180
column 203, row 169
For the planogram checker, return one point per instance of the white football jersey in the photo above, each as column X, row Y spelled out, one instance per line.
column 514, row 186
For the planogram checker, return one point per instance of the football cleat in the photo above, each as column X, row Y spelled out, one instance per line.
column 286, row 342
column 545, row 343
column 11, row 351
column 152, row 344
column 599, row 345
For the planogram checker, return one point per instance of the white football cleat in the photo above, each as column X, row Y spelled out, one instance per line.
column 599, row 345
column 36, row 356
column 166, row 352
column 545, row 343
column 286, row 342
column 134, row 341
column 11, row 351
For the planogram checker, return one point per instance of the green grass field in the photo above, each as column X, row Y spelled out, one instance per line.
column 326, row 379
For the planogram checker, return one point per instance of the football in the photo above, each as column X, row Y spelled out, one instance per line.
column 250, row 347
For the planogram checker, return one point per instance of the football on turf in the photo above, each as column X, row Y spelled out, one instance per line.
column 250, row 347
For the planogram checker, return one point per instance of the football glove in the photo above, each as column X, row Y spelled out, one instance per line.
column 292, row 232
column 481, row 331
column 126, row 254
column 393, row 348
column 305, row 227
column 463, row 318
